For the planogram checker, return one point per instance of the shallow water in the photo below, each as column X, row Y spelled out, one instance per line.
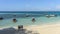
column 26, row 21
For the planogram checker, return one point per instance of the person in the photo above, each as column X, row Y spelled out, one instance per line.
column 20, row 27
column 14, row 20
column 33, row 19
column 1, row 18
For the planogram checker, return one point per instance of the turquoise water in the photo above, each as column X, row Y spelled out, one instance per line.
column 26, row 21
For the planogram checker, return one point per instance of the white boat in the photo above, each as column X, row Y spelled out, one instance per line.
column 27, row 15
column 50, row 15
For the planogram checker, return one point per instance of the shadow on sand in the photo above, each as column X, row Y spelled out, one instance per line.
column 15, row 31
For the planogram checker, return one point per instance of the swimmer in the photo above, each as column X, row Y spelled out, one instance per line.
column 33, row 19
column 1, row 18
column 14, row 20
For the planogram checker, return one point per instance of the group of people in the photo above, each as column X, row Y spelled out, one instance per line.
column 15, row 20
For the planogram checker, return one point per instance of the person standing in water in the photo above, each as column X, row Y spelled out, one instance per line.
column 14, row 20
column 33, row 19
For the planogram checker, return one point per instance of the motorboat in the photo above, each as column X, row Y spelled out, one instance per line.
column 50, row 16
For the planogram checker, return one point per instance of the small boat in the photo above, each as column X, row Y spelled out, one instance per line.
column 51, row 16
column 27, row 15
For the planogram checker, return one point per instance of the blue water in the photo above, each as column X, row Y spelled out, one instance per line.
column 23, row 20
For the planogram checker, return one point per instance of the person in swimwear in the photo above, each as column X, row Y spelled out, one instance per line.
column 14, row 20
column 33, row 19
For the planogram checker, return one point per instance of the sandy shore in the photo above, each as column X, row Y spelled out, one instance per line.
column 45, row 29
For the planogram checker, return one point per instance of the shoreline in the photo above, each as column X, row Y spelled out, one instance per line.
column 47, row 28
column 43, row 25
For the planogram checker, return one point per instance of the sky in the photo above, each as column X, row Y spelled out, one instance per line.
column 29, row 5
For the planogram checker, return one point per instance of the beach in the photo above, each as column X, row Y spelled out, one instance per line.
column 42, row 29
column 42, row 24
column 45, row 29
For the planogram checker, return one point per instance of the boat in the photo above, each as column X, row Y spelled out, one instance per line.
column 50, row 16
column 27, row 15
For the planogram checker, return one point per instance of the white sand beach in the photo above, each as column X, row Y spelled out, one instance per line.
column 45, row 29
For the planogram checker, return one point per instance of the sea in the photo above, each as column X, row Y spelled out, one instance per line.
column 25, row 18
